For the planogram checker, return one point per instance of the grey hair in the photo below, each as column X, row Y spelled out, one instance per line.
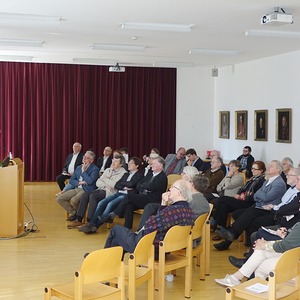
column 190, row 171
column 278, row 165
column 185, row 189
column 91, row 153
column 297, row 171
column 160, row 160
column 289, row 160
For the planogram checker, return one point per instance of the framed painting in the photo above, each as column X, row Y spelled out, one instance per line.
column 284, row 125
column 224, row 127
column 260, row 125
column 241, row 124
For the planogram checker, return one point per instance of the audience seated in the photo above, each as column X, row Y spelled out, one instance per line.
column 264, row 258
column 146, row 158
column 175, row 162
column 215, row 176
column 260, row 214
column 83, row 180
column 174, row 210
column 73, row 160
column 193, row 159
column 246, row 160
column 126, row 185
column 242, row 200
column 198, row 203
column 206, row 164
column 106, row 187
column 104, row 161
column 125, row 153
column 150, row 189
column 287, row 164
column 148, row 168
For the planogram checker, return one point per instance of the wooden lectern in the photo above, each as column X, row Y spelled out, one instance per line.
column 12, row 199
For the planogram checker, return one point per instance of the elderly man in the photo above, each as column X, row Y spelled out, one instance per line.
column 174, row 210
column 175, row 162
column 83, row 180
column 287, row 164
column 104, row 161
column 271, row 192
column 73, row 160
column 149, row 190
column 215, row 176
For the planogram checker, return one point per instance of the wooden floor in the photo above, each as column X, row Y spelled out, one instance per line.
column 52, row 254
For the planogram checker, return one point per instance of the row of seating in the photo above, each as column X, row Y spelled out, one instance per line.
column 106, row 264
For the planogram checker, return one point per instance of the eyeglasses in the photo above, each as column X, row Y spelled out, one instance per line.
column 291, row 175
column 255, row 169
column 175, row 187
column 87, row 157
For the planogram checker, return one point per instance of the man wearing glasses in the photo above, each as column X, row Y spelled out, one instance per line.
column 174, row 210
column 83, row 180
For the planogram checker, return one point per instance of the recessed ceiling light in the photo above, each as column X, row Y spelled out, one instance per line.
column 15, row 58
column 271, row 33
column 157, row 26
column 212, row 51
column 21, row 43
column 118, row 47
column 172, row 64
column 32, row 17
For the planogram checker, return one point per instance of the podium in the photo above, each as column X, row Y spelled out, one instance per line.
column 12, row 199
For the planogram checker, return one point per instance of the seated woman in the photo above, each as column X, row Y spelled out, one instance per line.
column 264, row 258
column 242, row 200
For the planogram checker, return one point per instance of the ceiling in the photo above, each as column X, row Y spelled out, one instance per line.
column 218, row 25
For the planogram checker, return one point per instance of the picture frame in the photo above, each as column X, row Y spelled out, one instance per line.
column 260, row 125
column 284, row 125
column 241, row 124
column 224, row 124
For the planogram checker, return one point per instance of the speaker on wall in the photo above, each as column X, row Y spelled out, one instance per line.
column 214, row 72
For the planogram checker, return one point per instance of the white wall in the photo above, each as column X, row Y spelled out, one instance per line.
column 195, row 109
column 269, row 83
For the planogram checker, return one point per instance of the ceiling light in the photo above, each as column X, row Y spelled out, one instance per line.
column 94, row 61
column 271, row 33
column 118, row 47
column 167, row 64
column 31, row 17
column 15, row 58
column 21, row 43
column 157, row 26
column 213, row 52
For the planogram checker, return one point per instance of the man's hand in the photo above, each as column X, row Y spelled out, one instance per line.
column 259, row 244
column 165, row 198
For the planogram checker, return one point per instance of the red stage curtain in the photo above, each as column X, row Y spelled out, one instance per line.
column 45, row 108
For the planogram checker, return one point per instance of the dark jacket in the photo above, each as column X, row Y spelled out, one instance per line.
column 136, row 178
column 78, row 161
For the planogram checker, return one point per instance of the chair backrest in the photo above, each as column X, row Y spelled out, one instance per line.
column 176, row 238
column 101, row 265
column 144, row 249
column 172, row 178
column 197, row 229
column 287, row 266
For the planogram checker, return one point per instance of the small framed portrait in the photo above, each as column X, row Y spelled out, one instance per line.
column 241, row 124
column 224, row 122
column 260, row 125
column 284, row 125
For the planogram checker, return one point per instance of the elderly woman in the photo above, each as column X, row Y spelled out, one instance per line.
column 242, row 199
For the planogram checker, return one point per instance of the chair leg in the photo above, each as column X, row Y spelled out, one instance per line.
column 151, row 288
column 47, row 293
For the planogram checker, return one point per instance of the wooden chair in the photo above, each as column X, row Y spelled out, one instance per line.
column 201, row 251
column 283, row 281
column 99, row 266
column 177, row 238
column 140, row 267
column 172, row 178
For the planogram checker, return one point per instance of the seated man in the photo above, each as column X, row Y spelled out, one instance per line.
column 175, row 162
column 106, row 187
column 104, row 162
column 287, row 164
column 149, row 190
column 126, row 185
column 83, row 180
column 193, row 159
column 263, row 260
column 215, row 176
column 246, row 160
column 206, row 164
column 271, row 192
column 198, row 203
column 174, row 210
column 72, row 162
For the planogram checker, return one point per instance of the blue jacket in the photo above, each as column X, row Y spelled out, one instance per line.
column 90, row 176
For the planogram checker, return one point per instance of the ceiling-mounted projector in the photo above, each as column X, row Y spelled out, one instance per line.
column 116, row 68
column 277, row 18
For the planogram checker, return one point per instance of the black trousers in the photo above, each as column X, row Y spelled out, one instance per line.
column 60, row 179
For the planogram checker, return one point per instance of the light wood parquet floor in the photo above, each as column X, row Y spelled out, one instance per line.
column 52, row 254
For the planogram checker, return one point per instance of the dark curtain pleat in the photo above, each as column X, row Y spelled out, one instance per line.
column 45, row 108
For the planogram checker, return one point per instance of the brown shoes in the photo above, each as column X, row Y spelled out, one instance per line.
column 74, row 224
